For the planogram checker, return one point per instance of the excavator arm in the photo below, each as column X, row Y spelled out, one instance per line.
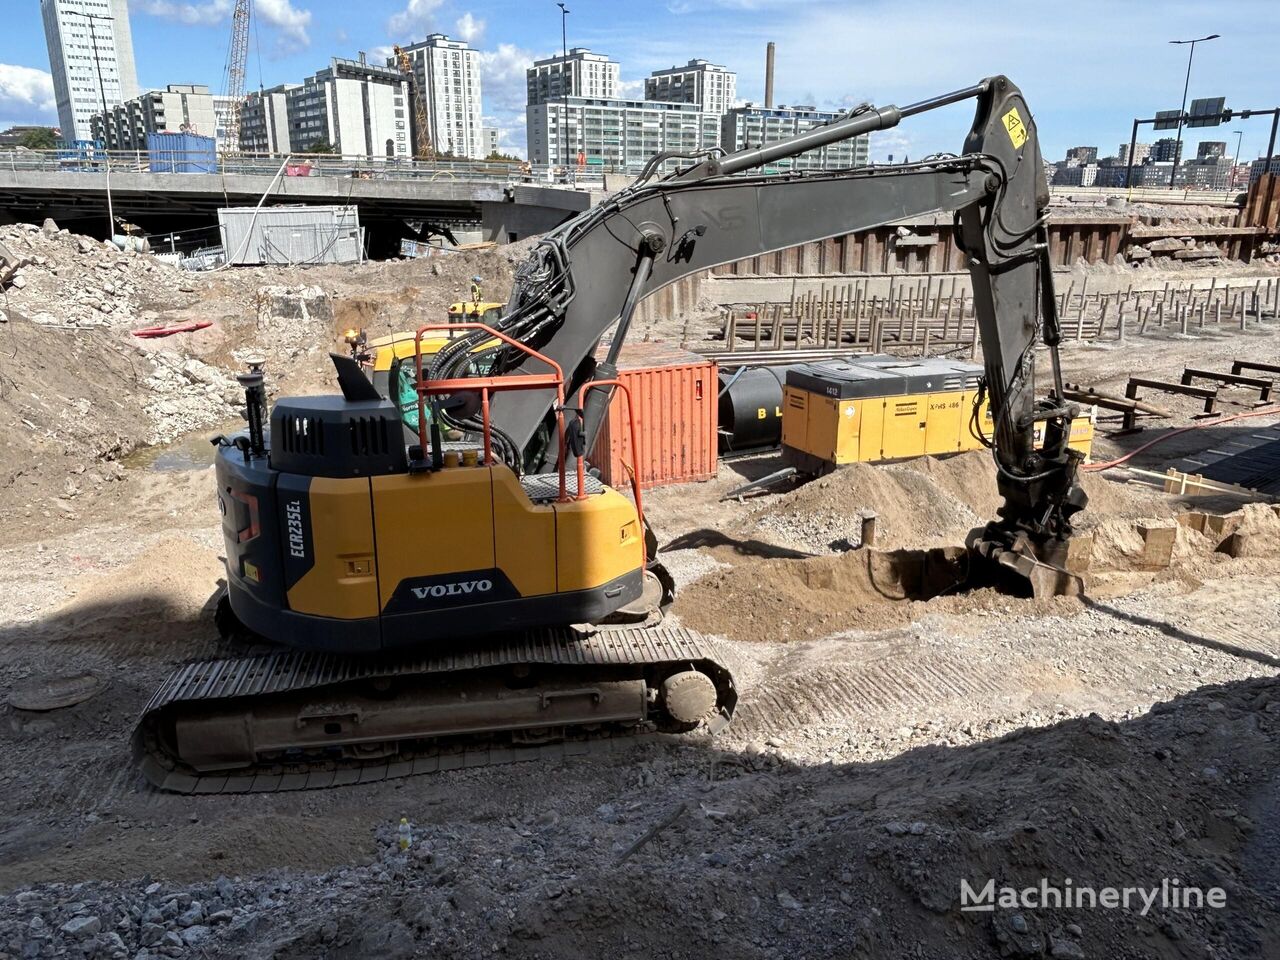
column 588, row 275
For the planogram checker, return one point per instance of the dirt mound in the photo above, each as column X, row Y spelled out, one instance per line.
column 919, row 503
column 80, row 392
column 923, row 503
column 771, row 600
column 1114, row 498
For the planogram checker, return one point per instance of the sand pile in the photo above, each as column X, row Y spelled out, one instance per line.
column 919, row 503
column 922, row 503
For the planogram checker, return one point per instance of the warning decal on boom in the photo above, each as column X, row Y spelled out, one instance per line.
column 1016, row 128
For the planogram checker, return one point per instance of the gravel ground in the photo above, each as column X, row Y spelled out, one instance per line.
column 874, row 763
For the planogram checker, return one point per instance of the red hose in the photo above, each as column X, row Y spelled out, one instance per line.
column 150, row 333
column 1108, row 464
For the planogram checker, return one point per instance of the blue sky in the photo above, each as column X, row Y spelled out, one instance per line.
column 1087, row 68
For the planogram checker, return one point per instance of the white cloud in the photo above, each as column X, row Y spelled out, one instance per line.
column 212, row 11
column 631, row 89
column 470, row 28
column 503, row 70
column 27, row 93
column 290, row 22
column 505, row 91
column 416, row 18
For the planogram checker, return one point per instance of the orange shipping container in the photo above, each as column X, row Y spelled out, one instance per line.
column 675, row 393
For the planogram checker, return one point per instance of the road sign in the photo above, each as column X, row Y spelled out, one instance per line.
column 1207, row 112
column 1167, row 119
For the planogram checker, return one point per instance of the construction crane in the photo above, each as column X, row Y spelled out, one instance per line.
column 422, row 140
column 237, row 59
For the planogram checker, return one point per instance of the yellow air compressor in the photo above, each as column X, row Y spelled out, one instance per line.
column 873, row 408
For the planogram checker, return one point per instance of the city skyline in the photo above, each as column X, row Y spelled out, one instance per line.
column 293, row 38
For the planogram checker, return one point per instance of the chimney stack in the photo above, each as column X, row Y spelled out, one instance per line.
column 768, row 76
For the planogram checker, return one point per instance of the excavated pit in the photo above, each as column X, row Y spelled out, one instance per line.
column 776, row 584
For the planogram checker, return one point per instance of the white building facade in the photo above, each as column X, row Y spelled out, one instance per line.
column 580, row 74
column 615, row 136
column 752, row 126
column 179, row 108
column 448, row 75
column 357, row 108
column 264, row 120
column 711, row 87
column 90, row 58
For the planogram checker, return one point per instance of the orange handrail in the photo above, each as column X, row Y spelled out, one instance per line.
column 523, row 381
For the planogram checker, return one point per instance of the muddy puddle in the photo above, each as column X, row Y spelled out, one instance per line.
column 195, row 451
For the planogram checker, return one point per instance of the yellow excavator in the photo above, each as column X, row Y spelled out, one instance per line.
column 439, row 605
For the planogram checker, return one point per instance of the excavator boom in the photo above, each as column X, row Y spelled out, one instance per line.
column 587, row 276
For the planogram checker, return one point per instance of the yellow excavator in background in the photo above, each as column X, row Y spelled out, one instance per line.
column 440, row 605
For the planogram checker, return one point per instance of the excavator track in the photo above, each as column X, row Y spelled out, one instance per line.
column 259, row 724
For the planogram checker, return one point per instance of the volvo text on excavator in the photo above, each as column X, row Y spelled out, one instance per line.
column 439, row 604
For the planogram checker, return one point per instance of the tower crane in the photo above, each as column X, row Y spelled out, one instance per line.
column 237, row 58
column 422, row 140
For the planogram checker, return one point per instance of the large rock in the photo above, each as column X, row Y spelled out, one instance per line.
column 82, row 927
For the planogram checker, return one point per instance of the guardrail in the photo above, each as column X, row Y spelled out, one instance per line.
column 1150, row 194
column 311, row 165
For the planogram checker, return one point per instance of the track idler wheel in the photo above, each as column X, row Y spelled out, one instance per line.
column 688, row 697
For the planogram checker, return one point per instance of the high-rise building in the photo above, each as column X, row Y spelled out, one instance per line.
column 711, row 87
column 264, row 120
column 580, row 74
column 178, row 108
column 1209, row 149
column 1140, row 152
column 1166, row 150
column 91, row 59
column 752, row 126
column 615, row 136
column 357, row 108
column 448, row 76
column 489, row 138
column 1083, row 154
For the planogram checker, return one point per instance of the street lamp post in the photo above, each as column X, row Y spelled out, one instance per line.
column 1231, row 182
column 564, row 82
column 102, row 92
column 1177, row 149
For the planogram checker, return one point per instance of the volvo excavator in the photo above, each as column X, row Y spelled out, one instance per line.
column 432, row 607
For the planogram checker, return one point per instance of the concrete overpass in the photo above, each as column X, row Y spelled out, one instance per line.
column 163, row 202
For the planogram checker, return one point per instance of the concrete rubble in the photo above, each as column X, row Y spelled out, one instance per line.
column 62, row 279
